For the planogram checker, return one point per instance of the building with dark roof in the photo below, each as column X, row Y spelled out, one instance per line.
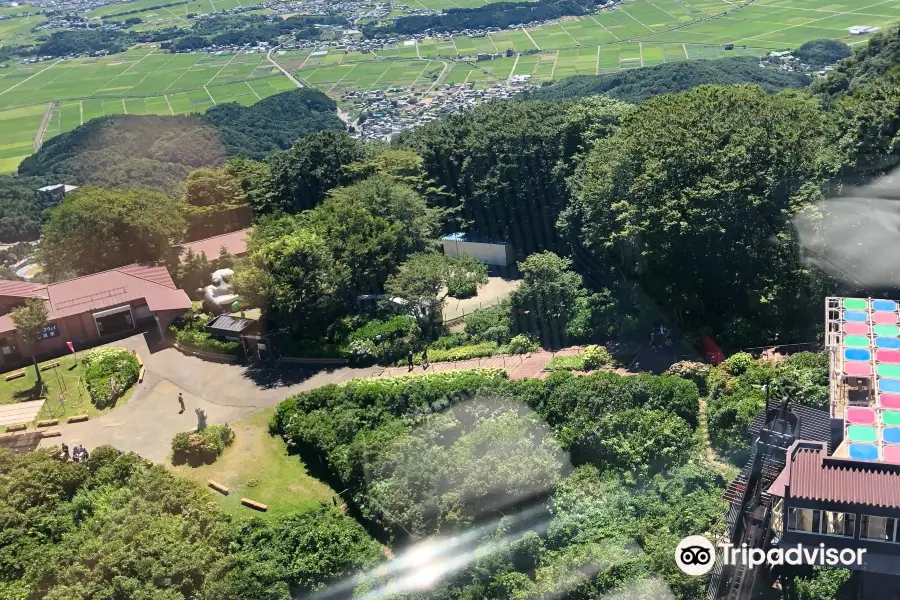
column 91, row 309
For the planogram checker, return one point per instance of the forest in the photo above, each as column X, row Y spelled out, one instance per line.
column 630, row 199
column 636, row 85
column 496, row 14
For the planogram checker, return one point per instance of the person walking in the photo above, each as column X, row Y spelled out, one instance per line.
column 409, row 360
column 425, row 358
column 181, row 402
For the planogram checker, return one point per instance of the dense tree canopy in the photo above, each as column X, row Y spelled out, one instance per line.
column 94, row 229
column 636, row 85
column 819, row 53
column 692, row 197
column 312, row 167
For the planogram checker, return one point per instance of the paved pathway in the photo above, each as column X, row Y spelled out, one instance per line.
column 225, row 392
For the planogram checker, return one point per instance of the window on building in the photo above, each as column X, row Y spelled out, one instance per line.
column 840, row 523
column 808, row 520
column 802, row 519
column 881, row 529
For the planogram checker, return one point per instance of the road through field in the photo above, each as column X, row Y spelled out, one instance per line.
column 39, row 138
column 12, row 87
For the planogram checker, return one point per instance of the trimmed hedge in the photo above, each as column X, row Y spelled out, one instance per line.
column 480, row 350
column 102, row 364
column 201, row 447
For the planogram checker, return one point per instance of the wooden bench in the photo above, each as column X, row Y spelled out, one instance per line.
column 18, row 427
column 48, row 423
column 78, row 418
column 15, row 375
column 254, row 504
column 218, row 486
column 49, row 366
column 51, row 433
column 141, row 375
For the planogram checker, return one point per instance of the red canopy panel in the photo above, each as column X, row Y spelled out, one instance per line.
column 888, row 356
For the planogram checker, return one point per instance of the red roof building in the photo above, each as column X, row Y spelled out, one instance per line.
column 90, row 309
column 235, row 242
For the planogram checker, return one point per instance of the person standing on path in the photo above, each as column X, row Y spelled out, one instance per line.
column 181, row 402
column 425, row 358
column 409, row 360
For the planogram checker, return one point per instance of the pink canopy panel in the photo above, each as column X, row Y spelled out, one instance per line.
column 889, row 400
column 891, row 454
column 861, row 416
column 855, row 328
column 884, row 318
column 857, row 368
column 888, row 356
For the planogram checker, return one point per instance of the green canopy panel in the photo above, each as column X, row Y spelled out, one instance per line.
column 891, row 371
column 856, row 341
column 887, row 331
column 861, row 433
column 856, row 303
column 890, row 417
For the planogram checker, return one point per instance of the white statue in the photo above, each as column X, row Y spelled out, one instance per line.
column 220, row 295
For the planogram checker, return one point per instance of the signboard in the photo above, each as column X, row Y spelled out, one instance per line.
column 50, row 331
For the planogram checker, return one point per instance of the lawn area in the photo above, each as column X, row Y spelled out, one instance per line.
column 64, row 379
column 284, row 484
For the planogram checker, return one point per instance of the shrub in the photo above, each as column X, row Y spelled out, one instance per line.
column 480, row 350
column 738, row 364
column 383, row 341
column 692, row 371
column 202, row 340
column 454, row 340
column 490, row 324
column 464, row 276
column 574, row 362
column 521, row 344
column 201, row 447
column 596, row 357
column 104, row 364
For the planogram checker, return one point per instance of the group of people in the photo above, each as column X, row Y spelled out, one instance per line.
column 660, row 336
column 79, row 453
column 409, row 359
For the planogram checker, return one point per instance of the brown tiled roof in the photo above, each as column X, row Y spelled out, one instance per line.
column 235, row 242
column 106, row 290
column 815, row 476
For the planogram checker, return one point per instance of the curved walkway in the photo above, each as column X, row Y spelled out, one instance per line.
column 224, row 392
column 228, row 392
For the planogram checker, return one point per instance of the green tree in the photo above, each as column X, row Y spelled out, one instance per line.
column 297, row 277
column 257, row 184
column 194, row 271
column 547, row 297
column 94, row 229
column 465, row 275
column 819, row 53
column 820, row 583
column 29, row 320
column 371, row 227
column 300, row 553
column 692, row 198
column 313, row 166
column 216, row 202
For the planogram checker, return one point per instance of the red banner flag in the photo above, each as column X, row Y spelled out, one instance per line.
column 71, row 347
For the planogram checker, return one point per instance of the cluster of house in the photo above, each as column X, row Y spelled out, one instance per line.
column 387, row 114
column 97, row 308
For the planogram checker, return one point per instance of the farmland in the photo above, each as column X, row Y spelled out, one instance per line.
column 638, row 33
column 140, row 81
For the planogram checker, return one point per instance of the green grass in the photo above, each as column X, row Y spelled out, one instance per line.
column 283, row 482
column 65, row 380
column 139, row 81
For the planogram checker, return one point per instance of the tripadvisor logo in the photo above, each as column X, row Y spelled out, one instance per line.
column 695, row 555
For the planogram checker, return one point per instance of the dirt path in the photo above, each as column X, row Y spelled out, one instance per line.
column 39, row 137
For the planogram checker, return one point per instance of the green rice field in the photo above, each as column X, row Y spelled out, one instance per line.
column 140, row 81
column 637, row 33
